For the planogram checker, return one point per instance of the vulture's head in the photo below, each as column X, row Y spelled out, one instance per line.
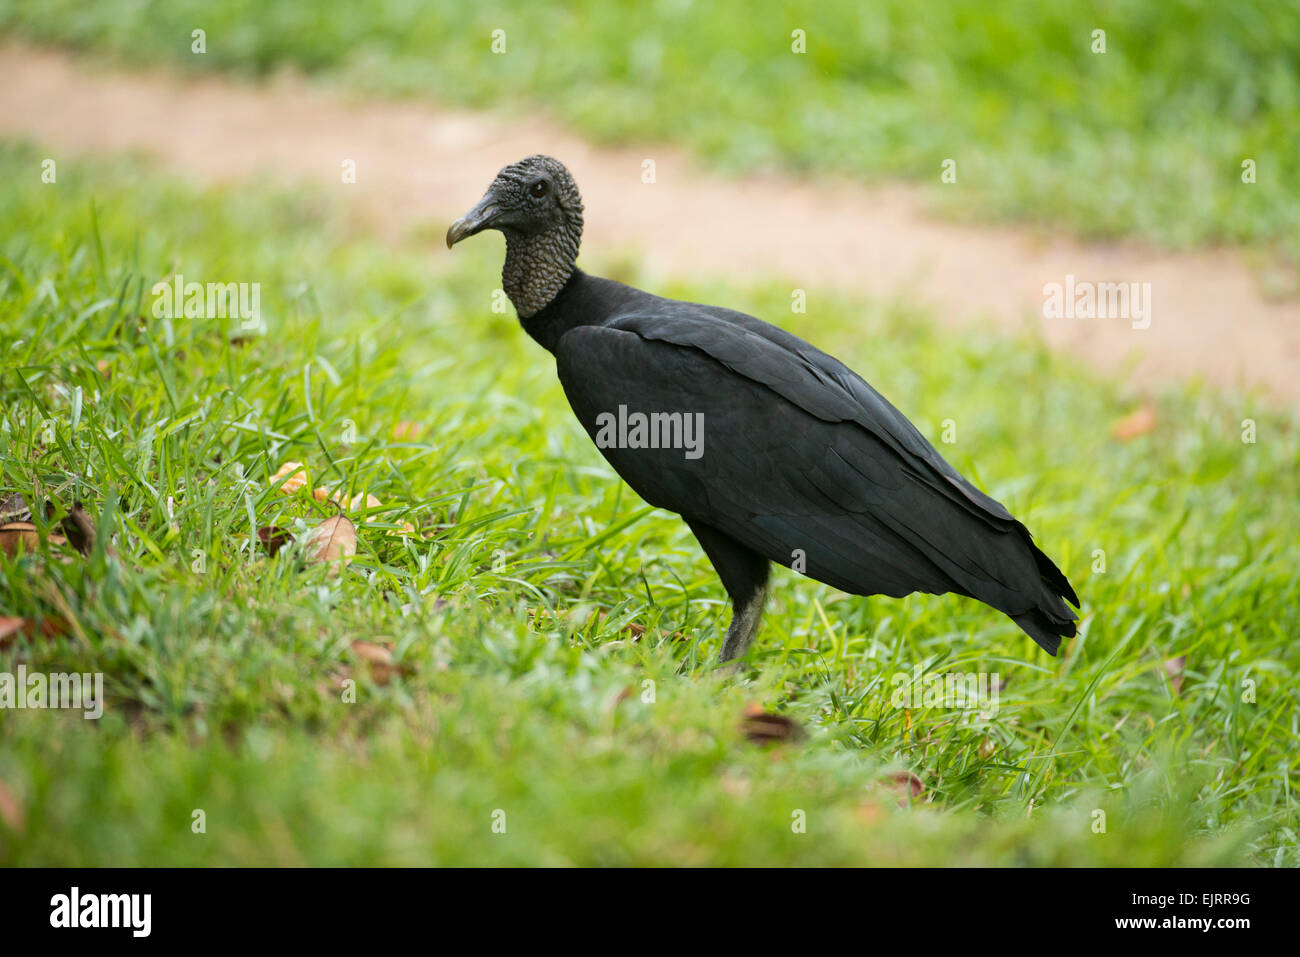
column 535, row 197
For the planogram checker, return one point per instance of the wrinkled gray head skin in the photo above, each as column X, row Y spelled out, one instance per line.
column 536, row 205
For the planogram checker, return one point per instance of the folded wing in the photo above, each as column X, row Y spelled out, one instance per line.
column 805, row 463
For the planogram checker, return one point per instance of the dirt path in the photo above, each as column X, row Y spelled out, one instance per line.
column 419, row 164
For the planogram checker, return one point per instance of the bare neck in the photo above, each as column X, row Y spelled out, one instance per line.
column 536, row 268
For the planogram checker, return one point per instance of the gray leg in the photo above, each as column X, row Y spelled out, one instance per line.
column 744, row 575
column 745, row 619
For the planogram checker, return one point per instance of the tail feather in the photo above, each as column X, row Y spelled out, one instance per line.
column 1045, row 628
column 1051, row 619
column 1054, row 577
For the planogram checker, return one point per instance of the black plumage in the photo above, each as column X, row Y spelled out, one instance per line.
column 802, row 462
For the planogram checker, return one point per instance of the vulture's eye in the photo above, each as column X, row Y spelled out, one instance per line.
column 538, row 189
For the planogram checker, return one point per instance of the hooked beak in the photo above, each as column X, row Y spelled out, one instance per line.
column 475, row 221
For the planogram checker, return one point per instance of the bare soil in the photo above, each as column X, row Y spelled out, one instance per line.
column 419, row 165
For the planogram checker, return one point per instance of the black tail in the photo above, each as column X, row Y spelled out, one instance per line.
column 1051, row 619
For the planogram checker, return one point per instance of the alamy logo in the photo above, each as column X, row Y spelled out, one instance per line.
column 213, row 300
column 78, row 692
column 1098, row 300
column 973, row 692
column 133, row 911
column 652, row 430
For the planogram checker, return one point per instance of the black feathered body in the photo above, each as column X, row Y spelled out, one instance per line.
column 802, row 462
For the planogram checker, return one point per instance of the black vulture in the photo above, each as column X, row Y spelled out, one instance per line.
column 771, row 450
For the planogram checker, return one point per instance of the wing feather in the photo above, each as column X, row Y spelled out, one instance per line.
column 802, row 456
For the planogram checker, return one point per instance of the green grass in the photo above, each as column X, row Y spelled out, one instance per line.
column 1146, row 139
column 221, row 684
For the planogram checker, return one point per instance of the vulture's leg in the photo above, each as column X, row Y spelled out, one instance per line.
column 744, row 574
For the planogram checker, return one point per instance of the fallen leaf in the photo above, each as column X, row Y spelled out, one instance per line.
column 273, row 538
column 363, row 501
column 763, row 728
column 379, row 658
column 407, row 431
column 869, row 812
column 11, row 809
column 296, row 477
column 1174, row 668
column 907, row 784
column 14, row 508
column 24, row 536
column 77, row 525
column 48, row 627
column 375, row 654
column 1137, row 423
column 10, row 627
column 333, row 540
column 52, row 625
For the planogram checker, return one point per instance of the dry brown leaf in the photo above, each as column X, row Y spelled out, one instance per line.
column 9, row 627
column 406, row 431
column 379, row 658
column 869, row 812
column 363, row 501
column 77, row 525
column 763, row 728
column 1174, row 668
column 23, row 536
column 14, row 508
column 373, row 653
column 11, row 809
column 333, row 540
column 1137, row 423
column 50, row 626
column 273, row 538
column 907, row 784
column 296, row 477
